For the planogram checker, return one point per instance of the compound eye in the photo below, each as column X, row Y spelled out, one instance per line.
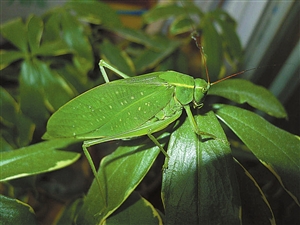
column 204, row 90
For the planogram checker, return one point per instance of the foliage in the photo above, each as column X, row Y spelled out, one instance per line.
column 53, row 58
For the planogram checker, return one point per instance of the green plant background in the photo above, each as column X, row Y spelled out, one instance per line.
column 53, row 58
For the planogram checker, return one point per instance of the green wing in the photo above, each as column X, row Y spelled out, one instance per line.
column 111, row 109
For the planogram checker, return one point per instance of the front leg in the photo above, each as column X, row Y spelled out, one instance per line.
column 103, row 64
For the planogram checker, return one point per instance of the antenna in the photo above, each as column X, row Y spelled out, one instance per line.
column 196, row 37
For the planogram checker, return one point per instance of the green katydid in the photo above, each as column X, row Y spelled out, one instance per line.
column 129, row 108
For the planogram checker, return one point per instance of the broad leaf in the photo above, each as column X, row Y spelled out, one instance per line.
column 35, row 159
column 164, row 11
column 76, row 38
column 212, row 45
column 15, row 32
column 70, row 212
column 138, row 36
column 181, row 25
column 35, row 28
column 200, row 186
column 119, row 174
column 8, row 105
column 277, row 149
column 120, row 60
column 13, row 211
column 255, row 206
column 149, row 58
column 95, row 12
column 135, row 210
column 243, row 91
column 8, row 57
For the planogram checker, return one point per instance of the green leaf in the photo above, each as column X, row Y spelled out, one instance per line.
column 181, row 25
column 54, row 48
column 31, row 93
column 36, row 88
column 35, row 28
column 8, row 57
column 135, row 210
column 35, row 159
column 277, row 149
column 15, row 32
column 24, row 130
column 138, row 36
column 255, row 207
column 164, row 11
column 117, row 58
column 95, row 12
column 230, row 39
column 149, row 58
column 242, row 91
column 8, row 105
column 13, row 211
column 76, row 39
column 5, row 146
column 199, row 186
column 119, row 174
column 52, row 31
column 212, row 47
column 70, row 212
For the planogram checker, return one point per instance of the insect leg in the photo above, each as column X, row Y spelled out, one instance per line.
column 103, row 64
column 194, row 124
column 85, row 145
column 155, row 141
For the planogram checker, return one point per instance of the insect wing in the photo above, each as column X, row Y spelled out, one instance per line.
column 110, row 109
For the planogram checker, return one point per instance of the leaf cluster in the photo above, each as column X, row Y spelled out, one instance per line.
column 53, row 58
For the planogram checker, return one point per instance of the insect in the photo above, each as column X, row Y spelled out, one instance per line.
column 130, row 107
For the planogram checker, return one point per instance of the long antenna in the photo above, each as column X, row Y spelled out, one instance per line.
column 233, row 75
column 196, row 37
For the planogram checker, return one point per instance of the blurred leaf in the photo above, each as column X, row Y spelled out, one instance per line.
column 8, row 57
column 181, row 25
column 218, row 13
column 277, row 149
column 13, row 211
column 19, row 126
column 35, row 28
column 117, row 58
column 53, row 49
column 5, row 146
column 52, row 31
column 149, row 58
column 24, row 130
column 242, row 91
column 15, row 32
column 26, row 161
column 212, row 45
column 164, row 11
column 119, row 174
column 75, row 37
column 255, row 206
column 135, row 210
column 70, row 212
column 8, row 106
column 95, row 12
column 231, row 40
column 36, row 89
column 200, row 181
column 50, row 81
column 138, row 36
